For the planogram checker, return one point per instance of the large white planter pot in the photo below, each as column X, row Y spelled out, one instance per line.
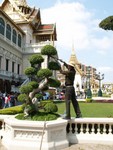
column 35, row 135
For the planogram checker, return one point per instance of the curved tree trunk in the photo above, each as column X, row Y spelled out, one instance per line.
column 41, row 86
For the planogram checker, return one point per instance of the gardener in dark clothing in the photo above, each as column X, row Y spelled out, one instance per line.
column 70, row 95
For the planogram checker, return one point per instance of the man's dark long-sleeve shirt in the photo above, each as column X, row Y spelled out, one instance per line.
column 69, row 76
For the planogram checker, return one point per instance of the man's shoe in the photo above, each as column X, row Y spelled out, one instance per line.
column 79, row 116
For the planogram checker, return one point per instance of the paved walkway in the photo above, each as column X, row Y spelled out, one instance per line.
column 2, row 147
column 90, row 146
column 84, row 146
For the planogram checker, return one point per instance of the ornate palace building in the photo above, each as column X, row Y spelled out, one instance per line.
column 21, row 35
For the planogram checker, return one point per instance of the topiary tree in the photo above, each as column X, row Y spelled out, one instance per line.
column 107, row 23
column 40, row 79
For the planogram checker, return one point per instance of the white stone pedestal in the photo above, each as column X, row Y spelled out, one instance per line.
column 35, row 135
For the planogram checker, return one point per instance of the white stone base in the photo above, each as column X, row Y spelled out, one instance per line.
column 35, row 135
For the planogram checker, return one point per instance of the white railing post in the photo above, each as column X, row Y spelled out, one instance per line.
column 104, row 129
column 87, row 128
column 81, row 128
column 110, row 129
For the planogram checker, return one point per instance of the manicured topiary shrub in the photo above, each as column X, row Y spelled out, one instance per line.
column 44, row 73
column 23, row 97
column 48, row 50
column 40, row 79
column 51, row 107
column 33, row 84
column 26, row 89
column 36, row 59
column 54, row 82
column 30, row 71
column 54, row 66
column 39, row 96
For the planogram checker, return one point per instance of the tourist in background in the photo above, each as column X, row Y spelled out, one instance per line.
column 7, row 101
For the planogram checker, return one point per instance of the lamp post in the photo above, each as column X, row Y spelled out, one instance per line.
column 100, row 77
column 88, row 93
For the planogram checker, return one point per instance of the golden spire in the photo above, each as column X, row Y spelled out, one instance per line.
column 73, row 57
column 74, row 60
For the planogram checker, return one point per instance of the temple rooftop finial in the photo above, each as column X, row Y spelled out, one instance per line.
column 73, row 50
column 73, row 57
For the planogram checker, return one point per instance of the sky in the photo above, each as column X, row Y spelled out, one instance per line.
column 77, row 23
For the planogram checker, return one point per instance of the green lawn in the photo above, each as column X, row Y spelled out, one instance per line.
column 94, row 110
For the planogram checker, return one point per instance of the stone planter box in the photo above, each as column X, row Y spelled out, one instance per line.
column 35, row 135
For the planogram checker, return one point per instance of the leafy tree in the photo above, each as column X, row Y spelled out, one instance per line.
column 40, row 79
column 107, row 23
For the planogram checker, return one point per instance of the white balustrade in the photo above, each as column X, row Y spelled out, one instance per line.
column 80, row 130
column 90, row 130
column 36, row 47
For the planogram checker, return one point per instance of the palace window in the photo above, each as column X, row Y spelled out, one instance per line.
column 19, row 40
column 8, row 31
column 2, row 26
column 14, row 36
column 13, row 66
column 7, row 64
column 18, row 69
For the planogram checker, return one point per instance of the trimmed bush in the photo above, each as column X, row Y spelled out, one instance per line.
column 39, row 96
column 36, row 59
column 26, row 89
column 54, row 66
column 34, row 84
column 11, row 110
column 30, row 71
column 51, row 107
column 48, row 50
column 22, row 97
column 54, row 82
column 44, row 73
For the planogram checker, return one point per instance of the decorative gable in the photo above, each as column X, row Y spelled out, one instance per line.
column 13, row 10
column 21, row 13
column 8, row 8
